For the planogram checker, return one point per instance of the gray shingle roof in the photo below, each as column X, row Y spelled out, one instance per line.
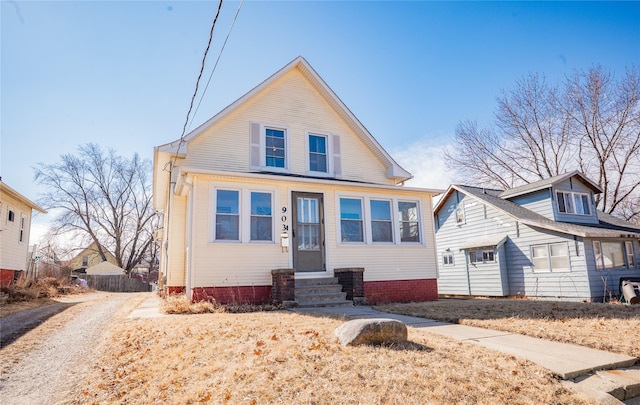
column 548, row 183
column 608, row 226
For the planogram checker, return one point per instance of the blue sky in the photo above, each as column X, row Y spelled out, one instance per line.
column 121, row 73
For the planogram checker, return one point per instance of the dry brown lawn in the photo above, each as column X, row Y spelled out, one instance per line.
column 611, row 327
column 286, row 358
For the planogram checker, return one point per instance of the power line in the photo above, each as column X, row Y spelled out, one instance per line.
column 217, row 60
column 195, row 92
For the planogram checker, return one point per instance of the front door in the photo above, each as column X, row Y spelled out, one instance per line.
column 308, row 232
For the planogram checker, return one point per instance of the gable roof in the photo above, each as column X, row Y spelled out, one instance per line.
column 394, row 170
column 608, row 226
column 5, row 189
column 550, row 182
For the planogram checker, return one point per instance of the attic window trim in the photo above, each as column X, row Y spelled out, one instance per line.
column 568, row 206
column 258, row 146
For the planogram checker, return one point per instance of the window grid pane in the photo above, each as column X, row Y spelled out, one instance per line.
column 317, row 153
column 351, row 229
column 275, row 148
column 381, row 225
column 409, row 226
column 227, row 215
column 631, row 262
column 261, row 218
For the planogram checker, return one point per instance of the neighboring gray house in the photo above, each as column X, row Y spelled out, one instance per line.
column 545, row 239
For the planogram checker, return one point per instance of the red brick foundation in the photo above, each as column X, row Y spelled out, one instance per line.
column 234, row 295
column 379, row 292
column 6, row 277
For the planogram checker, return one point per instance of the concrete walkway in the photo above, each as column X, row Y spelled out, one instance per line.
column 579, row 366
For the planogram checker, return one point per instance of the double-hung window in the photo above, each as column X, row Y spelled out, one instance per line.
column 227, row 215
column 609, row 255
column 447, row 258
column 628, row 247
column 23, row 219
column 409, row 221
column 550, row 257
column 573, row 203
column 351, row 225
column 275, row 148
column 381, row 223
column 460, row 214
column 261, row 216
column 318, row 153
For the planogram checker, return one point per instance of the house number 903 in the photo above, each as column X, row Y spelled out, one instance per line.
column 283, row 218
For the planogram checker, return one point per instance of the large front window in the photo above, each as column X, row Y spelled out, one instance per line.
column 609, row 255
column 573, row 203
column 275, row 151
column 409, row 222
column 227, row 215
column 351, row 228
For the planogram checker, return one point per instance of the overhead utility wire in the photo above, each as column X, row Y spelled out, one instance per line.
column 195, row 92
column 217, row 60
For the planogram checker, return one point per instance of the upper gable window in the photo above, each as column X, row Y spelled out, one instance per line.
column 573, row 203
column 460, row 218
column 275, row 151
column 269, row 147
column 318, row 153
column 323, row 154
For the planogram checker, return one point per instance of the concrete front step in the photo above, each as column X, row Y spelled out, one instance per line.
column 303, row 282
column 320, row 292
column 317, row 304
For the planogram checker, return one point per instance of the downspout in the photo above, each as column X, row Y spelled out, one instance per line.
column 164, row 270
column 189, row 229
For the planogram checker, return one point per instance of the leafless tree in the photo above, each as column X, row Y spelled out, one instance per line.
column 101, row 197
column 590, row 122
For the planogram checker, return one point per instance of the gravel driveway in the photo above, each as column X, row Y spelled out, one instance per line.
column 44, row 365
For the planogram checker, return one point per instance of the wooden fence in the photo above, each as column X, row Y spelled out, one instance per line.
column 116, row 283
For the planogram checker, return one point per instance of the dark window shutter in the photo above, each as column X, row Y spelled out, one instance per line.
column 337, row 161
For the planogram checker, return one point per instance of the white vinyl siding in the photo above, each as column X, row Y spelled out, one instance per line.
column 279, row 106
column 242, row 264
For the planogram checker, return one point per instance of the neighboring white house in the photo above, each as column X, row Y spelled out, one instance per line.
column 287, row 181
column 545, row 239
column 15, row 225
